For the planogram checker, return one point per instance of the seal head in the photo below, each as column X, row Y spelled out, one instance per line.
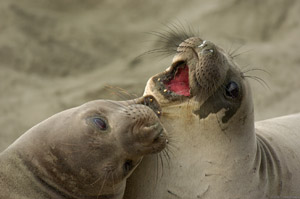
column 205, row 77
column 87, row 151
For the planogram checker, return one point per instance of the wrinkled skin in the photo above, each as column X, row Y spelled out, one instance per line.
column 84, row 152
column 217, row 151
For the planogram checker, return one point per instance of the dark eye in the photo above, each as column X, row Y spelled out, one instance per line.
column 100, row 123
column 232, row 90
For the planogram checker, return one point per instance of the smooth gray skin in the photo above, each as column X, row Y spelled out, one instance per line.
column 69, row 156
column 218, row 152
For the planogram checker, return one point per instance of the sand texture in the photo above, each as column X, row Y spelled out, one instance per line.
column 56, row 54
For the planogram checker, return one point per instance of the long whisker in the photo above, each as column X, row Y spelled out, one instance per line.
column 165, row 38
column 238, row 54
column 157, row 169
column 164, row 52
column 113, row 182
column 162, row 165
column 120, row 92
column 102, row 186
column 170, row 149
column 89, row 153
column 167, row 157
column 120, row 105
column 256, row 69
column 170, row 38
column 231, row 52
column 259, row 80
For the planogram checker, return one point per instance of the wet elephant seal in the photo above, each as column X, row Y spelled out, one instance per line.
column 218, row 150
column 83, row 152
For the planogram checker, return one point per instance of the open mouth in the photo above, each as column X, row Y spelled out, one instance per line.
column 175, row 82
column 179, row 84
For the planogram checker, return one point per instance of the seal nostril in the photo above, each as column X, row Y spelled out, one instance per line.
column 160, row 135
column 203, row 44
column 128, row 165
column 207, row 47
column 156, row 139
column 207, row 51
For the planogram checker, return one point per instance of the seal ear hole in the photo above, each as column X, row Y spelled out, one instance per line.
column 232, row 90
column 100, row 123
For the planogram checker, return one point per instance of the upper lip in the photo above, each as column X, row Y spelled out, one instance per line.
column 174, row 68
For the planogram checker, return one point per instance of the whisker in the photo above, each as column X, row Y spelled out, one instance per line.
column 181, row 28
column 169, row 38
column 162, row 51
column 231, row 53
column 167, row 157
column 171, row 149
column 162, row 165
column 120, row 92
column 113, row 182
column 243, row 52
column 165, row 38
column 257, row 69
column 156, row 176
column 89, row 153
column 120, row 105
column 102, row 186
column 259, row 80
column 97, row 180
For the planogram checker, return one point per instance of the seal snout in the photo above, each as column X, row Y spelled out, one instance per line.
column 156, row 131
column 148, row 134
column 153, row 137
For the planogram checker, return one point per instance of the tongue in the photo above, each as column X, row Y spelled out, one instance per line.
column 180, row 83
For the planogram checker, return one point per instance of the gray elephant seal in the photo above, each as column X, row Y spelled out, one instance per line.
column 83, row 152
column 220, row 152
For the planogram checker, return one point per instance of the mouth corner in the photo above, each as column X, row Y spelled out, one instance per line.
column 174, row 82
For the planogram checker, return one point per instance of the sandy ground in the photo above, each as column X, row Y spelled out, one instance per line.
column 55, row 54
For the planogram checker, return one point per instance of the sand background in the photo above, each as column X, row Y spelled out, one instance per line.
column 56, row 54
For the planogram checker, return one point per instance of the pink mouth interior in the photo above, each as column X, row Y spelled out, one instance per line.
column 180, row 83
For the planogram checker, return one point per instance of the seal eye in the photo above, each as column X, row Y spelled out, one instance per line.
column 100, row 123
column 232, row 90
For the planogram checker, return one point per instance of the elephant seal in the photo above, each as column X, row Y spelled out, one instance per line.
column 218, row 150
column 84, row 152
